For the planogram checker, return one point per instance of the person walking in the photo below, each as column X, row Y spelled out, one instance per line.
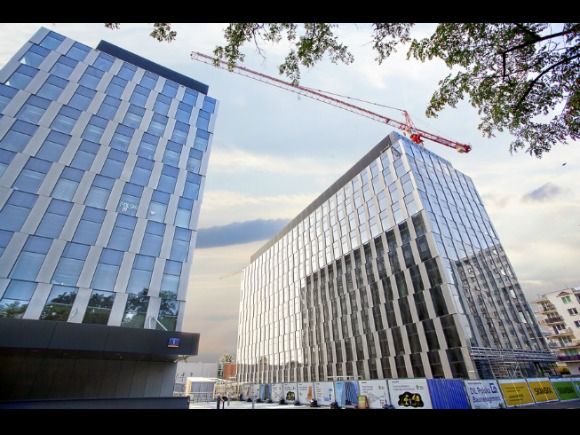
column 218, row 401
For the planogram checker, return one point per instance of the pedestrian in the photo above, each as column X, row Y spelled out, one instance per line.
column 224, row 400
column 218, row 401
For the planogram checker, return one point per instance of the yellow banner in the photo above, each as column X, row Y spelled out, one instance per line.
column 543, row 391
column 516, row 393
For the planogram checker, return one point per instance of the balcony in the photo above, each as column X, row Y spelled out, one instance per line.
column 552, row 320
column 568, row 357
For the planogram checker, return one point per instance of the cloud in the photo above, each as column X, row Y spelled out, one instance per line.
column 544, row 193
column 239, row 232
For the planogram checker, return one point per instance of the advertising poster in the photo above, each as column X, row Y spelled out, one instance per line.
column 542, row 389
column 484, row 394
column 245, row 391
column 376, row 392
column 265, row 392
column 447, row 394
column 305, row 394
column 277, row 392
column 324, row 392
column 515, row 392
column 290, row 392
column 565, row 389
column 254, row 391
column 409, row 394
column 346, row 393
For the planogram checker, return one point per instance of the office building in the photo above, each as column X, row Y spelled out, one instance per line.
column 102, row 161
column 395, row 271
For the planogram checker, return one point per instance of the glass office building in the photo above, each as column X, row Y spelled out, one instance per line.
column 395, row 271
column 102, row 162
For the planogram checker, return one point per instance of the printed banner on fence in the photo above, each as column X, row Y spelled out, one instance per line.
column 255, row 391
column 565, row 389
column 277, row 392
column 290, row 392
column 409, row 394
column 304, row 392
column 324, row 392
column 346, row 393
column 484, row 394
column 376, row 392
column 515, row 392
column 542, row 389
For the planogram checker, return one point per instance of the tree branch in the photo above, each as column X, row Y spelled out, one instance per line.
column 533, row 83
column 543, row 38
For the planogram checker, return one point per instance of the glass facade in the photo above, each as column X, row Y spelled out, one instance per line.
column 102, row 165
column 395, row 271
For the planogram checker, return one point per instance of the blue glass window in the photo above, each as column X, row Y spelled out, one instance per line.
column 183, row 112
column 142, row 171
column 6, row 94
column 135, row 311
column 99, row 192
column 202, row 123
column 82, row 98
column 116, row 87
column 31, row 176
column 171, row 275
column 122, row 232
column 104, row 61
column 95, row 129
column 209, row 104
column 70, row 265
column 168, row 311
column 33, row 109
column 59, row 303
column 31, row 258
column 66, row 119
column 190, row 97
column 16, row 210
column 183, row 215
column 78, row 51
column 52, row 88
column 16, row 298
column 85, row 155
column 192, row 184
column 168, row 179
column 34, row 56
column 201, row 140
column 52, row 40
column 141, row 274
column 129, row 201
column 109, row 107
column 91, row 77
column 127, row 71
column 157, row 125
column 18, row 136
column 21, row 77
column 5, row 237
column 140, row 95
column 169, row 89
column 180, row 246
column 64, row 67
column 106, row 273
column 134, row 116
column 122, row 137
column 89, row 226
column 180, row 132
column 148, row 146
column 67, row 184
column 54, row 219
column 172, row 154
column 153, row 239
column 194, row 160
column 158, row 206
column 114, row 164
column 99, row 307
column 5, row 159
column 53, row 146
column 149, row 79
column 162, row 104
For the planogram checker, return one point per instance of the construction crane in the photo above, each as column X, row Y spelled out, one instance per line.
column 415, row 134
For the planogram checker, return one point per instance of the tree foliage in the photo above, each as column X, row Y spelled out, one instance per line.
column 522, row 77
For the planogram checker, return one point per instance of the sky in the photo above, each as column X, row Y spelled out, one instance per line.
column 274, row 152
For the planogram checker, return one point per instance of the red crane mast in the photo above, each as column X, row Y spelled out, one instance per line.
column 415, row 134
